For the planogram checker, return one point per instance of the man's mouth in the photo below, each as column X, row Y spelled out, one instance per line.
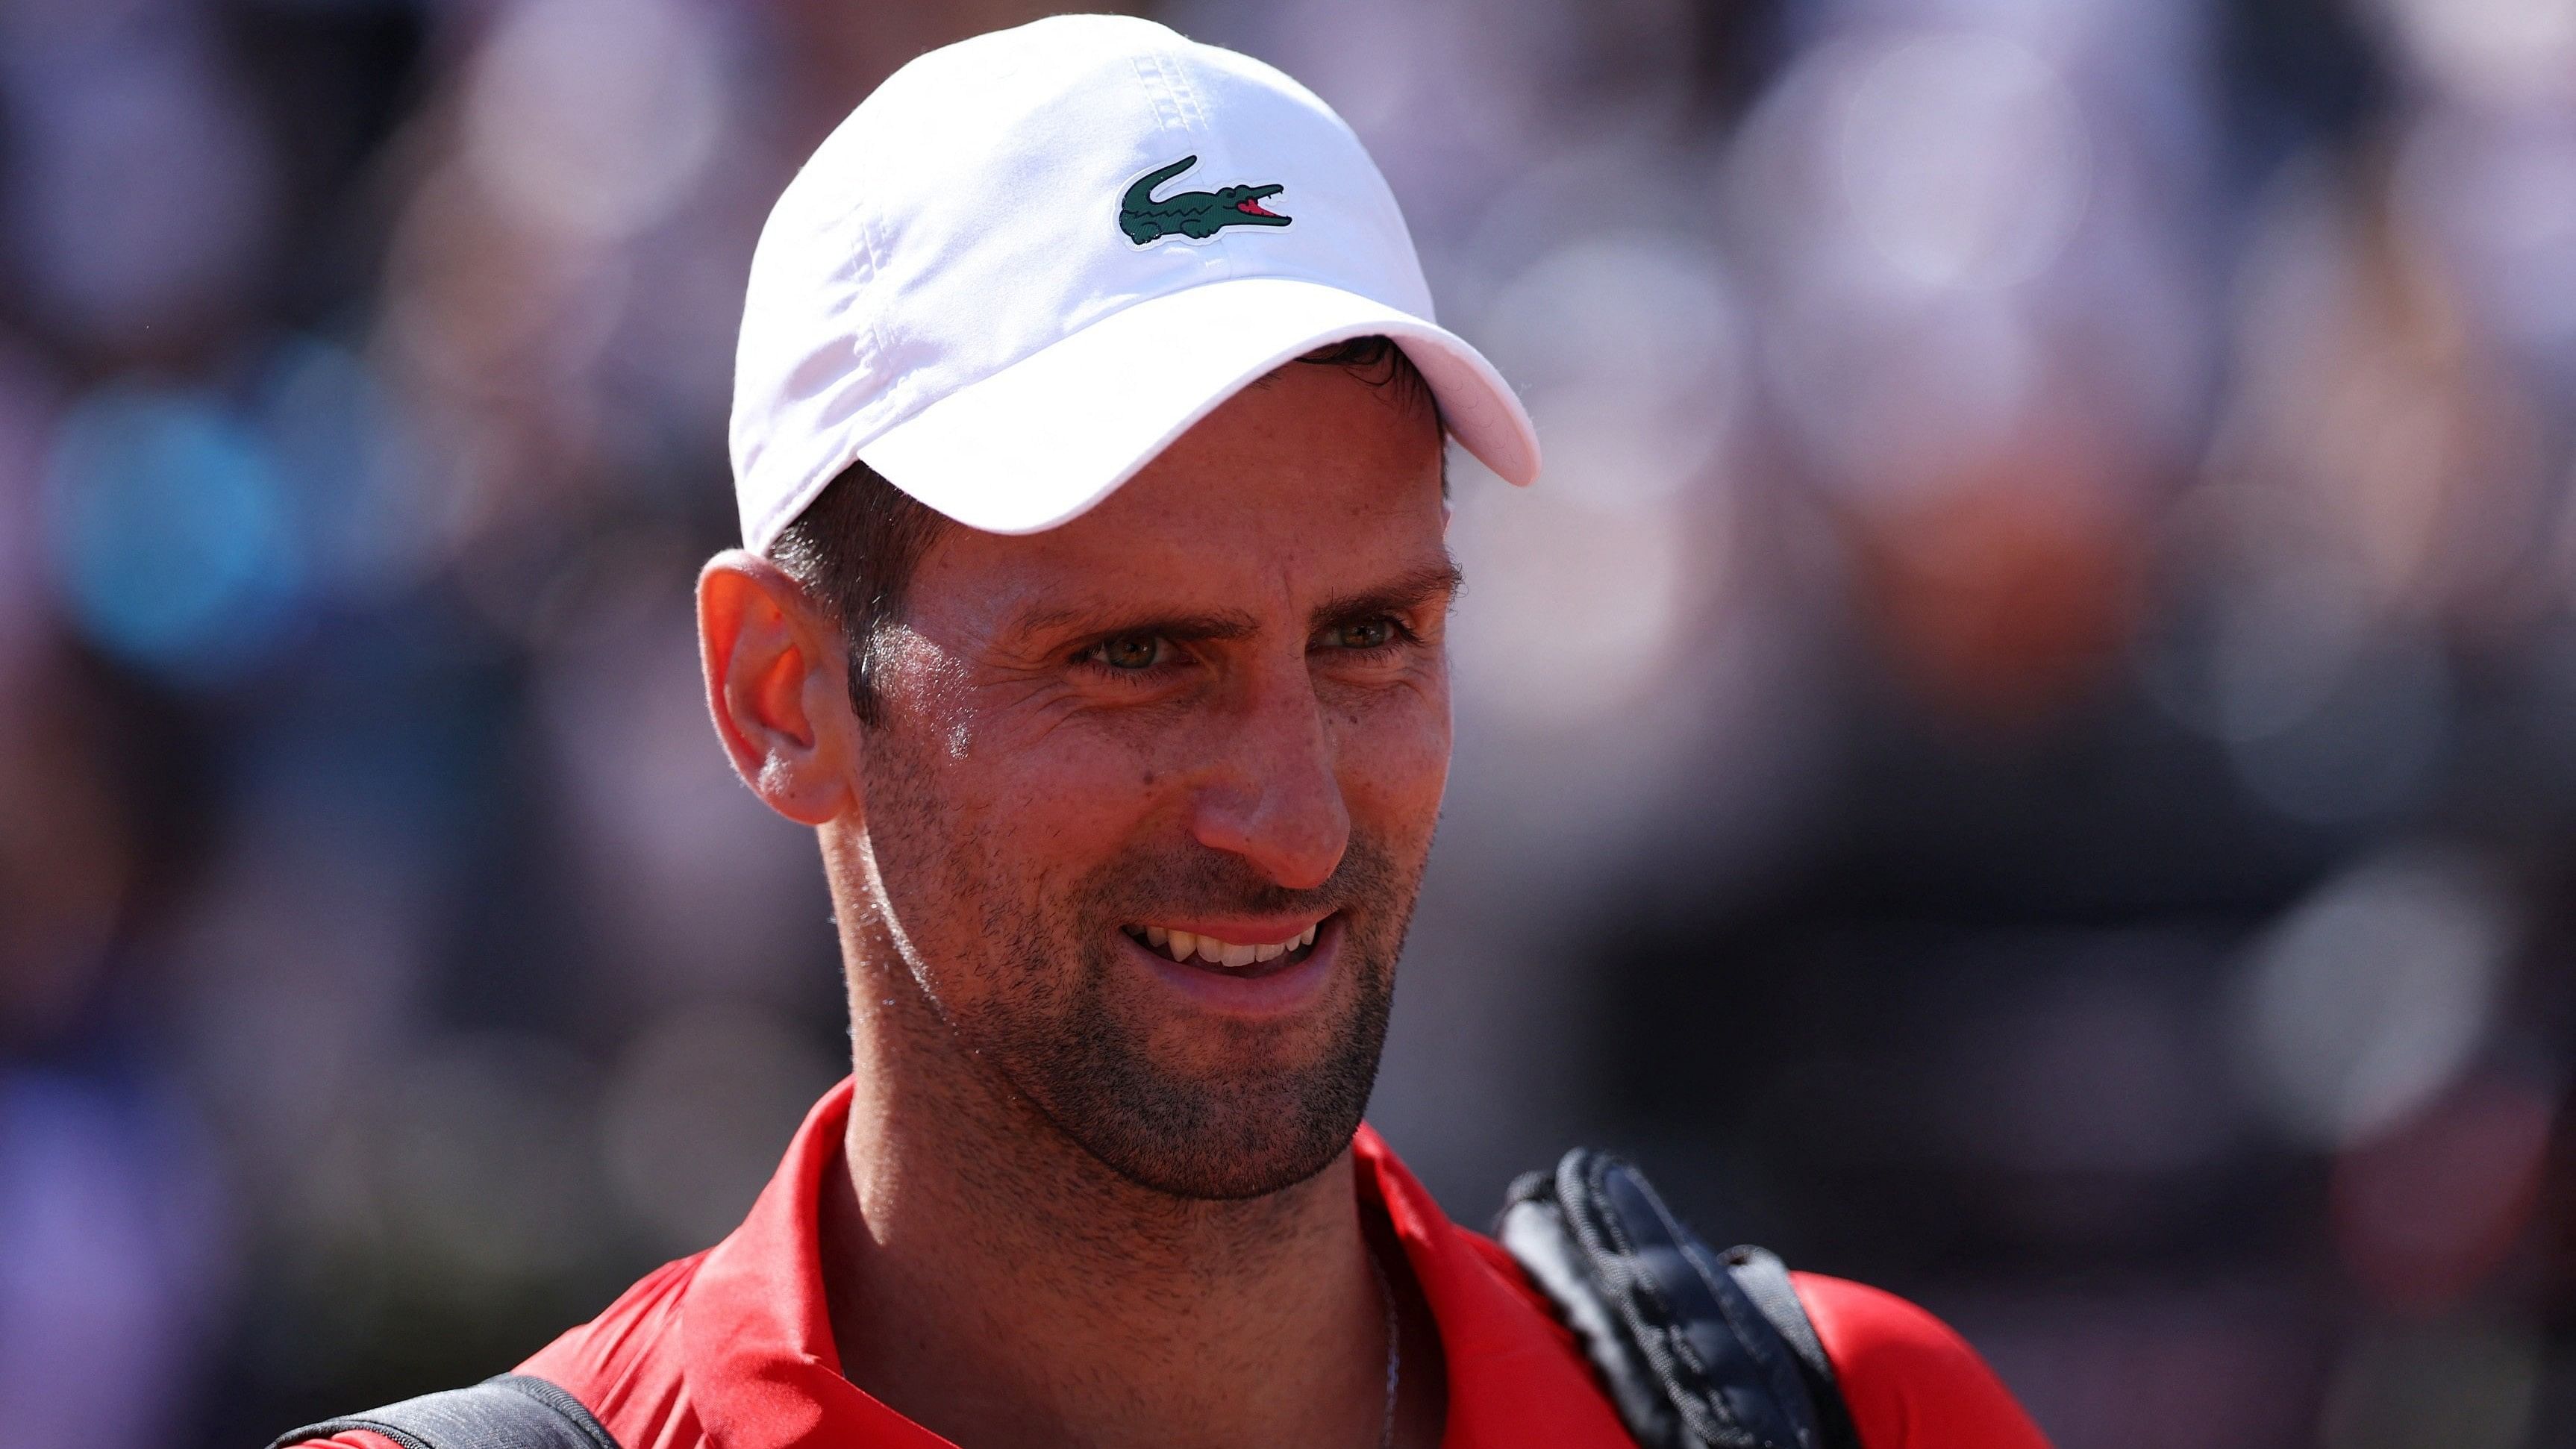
column 1192, row 948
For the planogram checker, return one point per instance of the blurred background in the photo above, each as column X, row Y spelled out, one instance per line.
column 2025, row 752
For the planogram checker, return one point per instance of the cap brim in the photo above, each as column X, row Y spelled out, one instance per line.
column 1039, row 442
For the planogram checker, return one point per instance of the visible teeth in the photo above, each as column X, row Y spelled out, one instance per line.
column 1185, row 946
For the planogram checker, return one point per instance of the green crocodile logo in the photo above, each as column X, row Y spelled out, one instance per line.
column 1197, row 215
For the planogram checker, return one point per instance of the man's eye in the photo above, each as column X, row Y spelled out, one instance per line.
column 1374, row 634
column 1131, row 651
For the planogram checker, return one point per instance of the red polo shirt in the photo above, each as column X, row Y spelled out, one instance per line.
column 732, row 1348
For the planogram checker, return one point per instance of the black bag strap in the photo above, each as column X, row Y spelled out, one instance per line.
column 1699, row 1350
column 513, row 1411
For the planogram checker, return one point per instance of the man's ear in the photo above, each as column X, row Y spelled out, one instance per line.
column 776, row 684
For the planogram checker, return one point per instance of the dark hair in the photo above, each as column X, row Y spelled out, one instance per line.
column 855, row 547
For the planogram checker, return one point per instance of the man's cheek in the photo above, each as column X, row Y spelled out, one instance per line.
column 1397, row 770
column 1069, row 807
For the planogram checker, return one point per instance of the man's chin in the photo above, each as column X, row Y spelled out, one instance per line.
column 1217, row 1166
column 1276, row 1105
column 1232, row 1135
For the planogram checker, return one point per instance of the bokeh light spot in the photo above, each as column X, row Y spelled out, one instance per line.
column 2373, row 994
column 172, row 538
column 1964, row 161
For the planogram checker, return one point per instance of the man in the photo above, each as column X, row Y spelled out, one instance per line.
column 1088, row 439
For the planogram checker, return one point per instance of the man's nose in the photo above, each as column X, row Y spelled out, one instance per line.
column 1277, row 801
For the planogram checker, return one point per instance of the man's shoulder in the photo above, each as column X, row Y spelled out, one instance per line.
column 1504, row 1270
column 624, row 1366
column 1909, row 1379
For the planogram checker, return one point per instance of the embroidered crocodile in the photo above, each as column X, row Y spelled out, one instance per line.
column 1197, row 215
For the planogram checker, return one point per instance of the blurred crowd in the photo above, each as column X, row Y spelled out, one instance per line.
column 2025, row 749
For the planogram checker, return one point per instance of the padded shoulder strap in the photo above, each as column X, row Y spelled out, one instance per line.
column 514, row 1411
column 1699, row 1350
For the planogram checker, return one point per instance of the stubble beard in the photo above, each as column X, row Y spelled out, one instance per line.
column 1069, row 1032
column 1253, row 1126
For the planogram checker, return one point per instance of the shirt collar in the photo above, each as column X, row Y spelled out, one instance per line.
column 1515, row 1376
column 764, row 1373
column 756, row 1336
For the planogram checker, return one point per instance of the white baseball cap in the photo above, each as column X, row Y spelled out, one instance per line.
column 1032, row 259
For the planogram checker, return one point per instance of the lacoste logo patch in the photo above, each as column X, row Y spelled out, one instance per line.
column 1196, row 215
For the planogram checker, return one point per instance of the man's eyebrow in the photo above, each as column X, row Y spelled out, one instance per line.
column 1409, row 590
column 1106, row 621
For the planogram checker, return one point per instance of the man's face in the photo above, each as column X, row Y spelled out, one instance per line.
column 1214, row 707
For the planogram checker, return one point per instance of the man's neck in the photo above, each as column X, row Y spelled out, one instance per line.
column 995, row 1283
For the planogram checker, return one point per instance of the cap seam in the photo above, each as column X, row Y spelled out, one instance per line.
column 797, row 500
column 869, row 345
column 1185, row 97
column 1177, row 108
column 1150, row 72
column 871, row 248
